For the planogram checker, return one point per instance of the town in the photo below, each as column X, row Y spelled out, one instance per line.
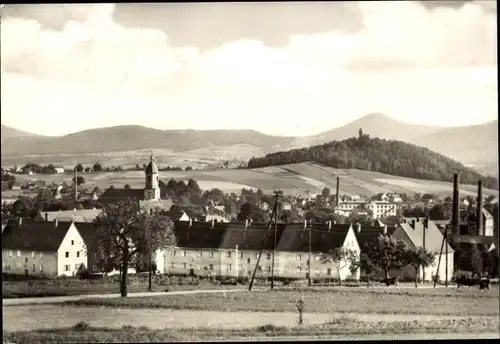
column 221, row 235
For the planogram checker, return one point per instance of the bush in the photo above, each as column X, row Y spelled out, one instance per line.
column 81, row 326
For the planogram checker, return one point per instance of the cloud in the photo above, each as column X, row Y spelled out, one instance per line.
column 409, row 61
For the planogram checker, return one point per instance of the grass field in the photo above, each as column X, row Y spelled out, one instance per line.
column 342, row 327
column 69, row 287
column 380, row 301
column 291, row 179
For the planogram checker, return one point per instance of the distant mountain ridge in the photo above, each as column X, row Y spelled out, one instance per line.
column 471, row 145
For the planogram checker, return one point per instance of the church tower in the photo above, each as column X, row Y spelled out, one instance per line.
column 152, row 190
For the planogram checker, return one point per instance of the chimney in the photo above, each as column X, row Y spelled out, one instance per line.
column 20, row 221
column 358, row 227
column 456, row 206
column 412, row 224
column 190, row 222
column 329, row 225
column 337, row 193
column 479, row 210
column 56, row 222
column 46, row 217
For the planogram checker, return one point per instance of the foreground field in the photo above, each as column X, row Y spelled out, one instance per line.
column 71, row 287
column 291, row 179
column 378, row 301
column 341, row 328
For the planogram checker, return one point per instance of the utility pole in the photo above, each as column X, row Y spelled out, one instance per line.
column 276, row 195
column 309, row 282
column 425, row 225
column 446, row 258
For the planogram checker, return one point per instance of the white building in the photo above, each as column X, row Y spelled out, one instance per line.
column 53, row 249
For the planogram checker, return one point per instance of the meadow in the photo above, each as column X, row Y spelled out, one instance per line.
column 291, row 179
column 341, row 328
column 390, row 301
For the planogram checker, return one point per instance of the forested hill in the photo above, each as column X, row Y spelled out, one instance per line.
column 374, row 154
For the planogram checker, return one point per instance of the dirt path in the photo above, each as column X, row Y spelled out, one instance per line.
column 18, row 318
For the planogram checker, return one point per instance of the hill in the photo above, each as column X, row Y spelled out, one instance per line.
column 475, row 145
column 124, row 138
column 380, row 155
column 301, row 178
column 378, row 125
column 13, row 133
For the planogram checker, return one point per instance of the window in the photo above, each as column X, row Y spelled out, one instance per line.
column 33, row 268
column 299, row 256
column 199, row 254
column 287, row 269
column 185, row 266
column 211, row 255
column 72, row 242
column 33, row 254
column 316, row 272
column 94, row 267
column 7, row 267
column 211, row 267
column 25, row 259
column 229, row 254
column 19, row 253
column 268, row 256
column 67, row 267
column 174, row 252
column 268, row 269
column 41, row 268
column 10, row 253
column 241, row 255
column 191, row 259
column 299, row 269
column 77, row 254
column 256, row 256
column 183, row 253
column 66, row 254
column 328, row 271
column 173, row 265
column 318, row 258
column 77, row 266
column 287, row 256
column 228, row 267
column 240, row 267
column 248, row 260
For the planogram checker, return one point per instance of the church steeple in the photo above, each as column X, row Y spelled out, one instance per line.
column 152, row 189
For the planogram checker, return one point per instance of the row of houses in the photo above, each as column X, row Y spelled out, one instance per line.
column 215, row 248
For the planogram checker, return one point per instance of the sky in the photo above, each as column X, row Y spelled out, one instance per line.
column 278, row 68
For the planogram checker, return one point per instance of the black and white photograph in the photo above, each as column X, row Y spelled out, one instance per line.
column 249, row 171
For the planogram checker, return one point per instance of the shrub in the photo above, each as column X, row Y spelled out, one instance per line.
column 81, row 326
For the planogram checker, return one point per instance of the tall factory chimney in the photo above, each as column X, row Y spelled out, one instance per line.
column 479, row 210
column 337, row 192
column 455, row 220
column 76, row 183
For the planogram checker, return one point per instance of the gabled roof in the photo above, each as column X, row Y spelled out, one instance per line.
column 296, row 239
column 368, row 235
column 88, row 233
column 115, row 195
column 433, row 236
column 34, row 236
column 175, row 215
column 81, row 215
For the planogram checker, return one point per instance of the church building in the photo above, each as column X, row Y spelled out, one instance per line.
column 148, row 197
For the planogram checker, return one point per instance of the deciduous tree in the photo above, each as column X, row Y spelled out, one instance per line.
column 342, row 258
column 419, row 257
column 124, row 229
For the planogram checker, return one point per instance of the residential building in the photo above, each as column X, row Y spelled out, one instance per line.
column 378, row 208
column 59, row 170
column 9, row 200
column 419, row 232
column 232, row 250
column 76, row 215
column 178, row 215
column 42, row 249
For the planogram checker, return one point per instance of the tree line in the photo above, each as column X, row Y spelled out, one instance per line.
column 380, row 155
